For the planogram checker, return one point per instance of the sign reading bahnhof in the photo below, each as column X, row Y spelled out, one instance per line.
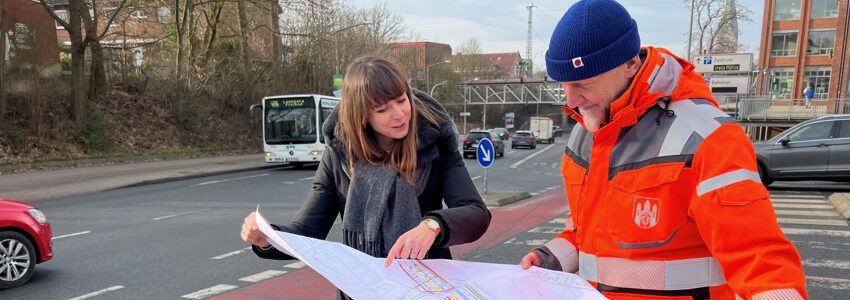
column 724, row 63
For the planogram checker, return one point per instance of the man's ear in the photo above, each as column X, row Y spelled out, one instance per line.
column 632, row 66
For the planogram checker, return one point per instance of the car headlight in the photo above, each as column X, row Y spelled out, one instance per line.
column 269, row 154
column 37, row 215
column 316, row 153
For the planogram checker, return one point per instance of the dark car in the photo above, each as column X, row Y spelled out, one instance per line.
column 24, row 242
column 817, row 149
column 470, row 144
column 556, row 131
column 501, row 133
column 523, row 138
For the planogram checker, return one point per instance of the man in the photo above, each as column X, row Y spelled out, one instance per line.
column 664, row 194
column 810, row 94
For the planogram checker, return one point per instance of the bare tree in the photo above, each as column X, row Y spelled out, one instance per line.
column 3, row 22
column 715, row 25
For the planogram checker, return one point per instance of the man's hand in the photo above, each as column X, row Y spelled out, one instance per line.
column 252, row 234
column 530, row 259
column 413, row 244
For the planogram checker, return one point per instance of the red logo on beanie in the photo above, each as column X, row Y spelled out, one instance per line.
column 577, row 62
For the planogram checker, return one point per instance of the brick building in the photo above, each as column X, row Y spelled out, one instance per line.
column 488, row 66
column 413, row 58
column 30, row 41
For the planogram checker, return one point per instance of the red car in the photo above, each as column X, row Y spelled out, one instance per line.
column 24, row 241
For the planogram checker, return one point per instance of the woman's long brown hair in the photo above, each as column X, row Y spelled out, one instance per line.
column 370, row 82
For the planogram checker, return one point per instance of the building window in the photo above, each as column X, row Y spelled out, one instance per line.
column 821, row 42
column 781, row 83
column 138, row 14
column 62, row 14
column 787, row 10
column 818, row 78
column 824, row 9
column 784, row 44
column 163, row 14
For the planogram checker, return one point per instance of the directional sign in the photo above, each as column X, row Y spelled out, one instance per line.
column 486, row 153
column 724, row 63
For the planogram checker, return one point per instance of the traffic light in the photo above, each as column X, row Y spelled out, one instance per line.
column 545, row 80
column 521, row 78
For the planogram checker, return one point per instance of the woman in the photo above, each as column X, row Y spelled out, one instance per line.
column 392, row 160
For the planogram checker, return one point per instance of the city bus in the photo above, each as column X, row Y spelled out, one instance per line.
column 292, row 127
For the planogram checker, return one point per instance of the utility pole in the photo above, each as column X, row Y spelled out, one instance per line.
column 529, row 66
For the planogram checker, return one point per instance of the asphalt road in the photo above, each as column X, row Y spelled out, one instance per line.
column 180, row 239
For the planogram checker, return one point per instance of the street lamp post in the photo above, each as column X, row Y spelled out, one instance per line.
column 428, row 74
column 336, row 36
column 436, row 85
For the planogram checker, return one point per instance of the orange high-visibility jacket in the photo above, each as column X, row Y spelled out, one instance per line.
column 666, row 201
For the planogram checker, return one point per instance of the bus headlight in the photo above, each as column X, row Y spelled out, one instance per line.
column 316, row 153
column 269, row 154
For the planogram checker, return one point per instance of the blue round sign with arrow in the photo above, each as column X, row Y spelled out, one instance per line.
column 485, row 153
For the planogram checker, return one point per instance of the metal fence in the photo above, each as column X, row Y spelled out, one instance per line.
column 753, row 109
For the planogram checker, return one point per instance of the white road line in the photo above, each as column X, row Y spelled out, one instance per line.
column 303, row 179
column 476, row 177
column 807, row 213
column 72, row 234
column 218, row 289
column 828, row 282
column 289, row 182
column 813, row 206
column 532, row 242
column 559, row 221
column 98, row 293
column 812, row 221
column 516, row 164
column 262, row 276
column 295, row 265
column 800, row 201
column 800, row 231
column 798, row 196
column 828, row 263
column 180, row 214
column 534, row 194
column 229, row 254
column 546, row 229
column 230, row 179
column 511, row 152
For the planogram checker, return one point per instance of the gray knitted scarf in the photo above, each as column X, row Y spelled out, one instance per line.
column 380, row 207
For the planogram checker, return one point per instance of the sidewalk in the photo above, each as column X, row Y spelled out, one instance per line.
column 68, row 182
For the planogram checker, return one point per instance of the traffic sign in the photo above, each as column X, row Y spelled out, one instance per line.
column 485, row 152
column 724, row 63
column 465, row 114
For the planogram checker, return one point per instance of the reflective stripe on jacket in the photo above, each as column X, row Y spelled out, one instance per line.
column 666, row 208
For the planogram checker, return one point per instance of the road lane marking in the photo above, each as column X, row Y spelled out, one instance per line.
column 812, row 206
column 179, row 214
column 218, row 289
column 229, row 179
column 546, row 229
column 303, row 179
column 98, row 293
column 476, row 177
column 262, row 276
column 514, row 166
column 229, row 254
column 295, row 265
column 798, row 196
column 807, row 213
column 800, row 201
column 828, row 282
column 828, row 263
column 801, row 231
column 812, row 221
column 72, row 234
column 559, row 221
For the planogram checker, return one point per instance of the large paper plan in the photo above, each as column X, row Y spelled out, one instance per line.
column 364, row 277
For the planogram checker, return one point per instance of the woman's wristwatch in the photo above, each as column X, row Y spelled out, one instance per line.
column 432, row 224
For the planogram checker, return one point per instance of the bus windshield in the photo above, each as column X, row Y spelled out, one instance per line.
column 290, row 121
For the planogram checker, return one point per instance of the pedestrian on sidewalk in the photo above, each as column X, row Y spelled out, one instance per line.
column 392, row 162
column 664, row 193
column 809, row 92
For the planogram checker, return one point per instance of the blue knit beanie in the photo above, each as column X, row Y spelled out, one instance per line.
column 593, row 37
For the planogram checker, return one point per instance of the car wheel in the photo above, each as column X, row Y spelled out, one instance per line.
column 763, row 176
column 17, row 259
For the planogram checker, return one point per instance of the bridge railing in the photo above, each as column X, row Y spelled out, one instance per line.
column 748, row 109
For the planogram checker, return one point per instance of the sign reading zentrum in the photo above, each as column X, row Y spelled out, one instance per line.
column 724, row 63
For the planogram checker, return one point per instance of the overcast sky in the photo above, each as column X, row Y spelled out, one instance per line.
column 502, row 25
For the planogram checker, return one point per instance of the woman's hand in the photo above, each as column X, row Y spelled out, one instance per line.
column 252, row 234
column 413, row 244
